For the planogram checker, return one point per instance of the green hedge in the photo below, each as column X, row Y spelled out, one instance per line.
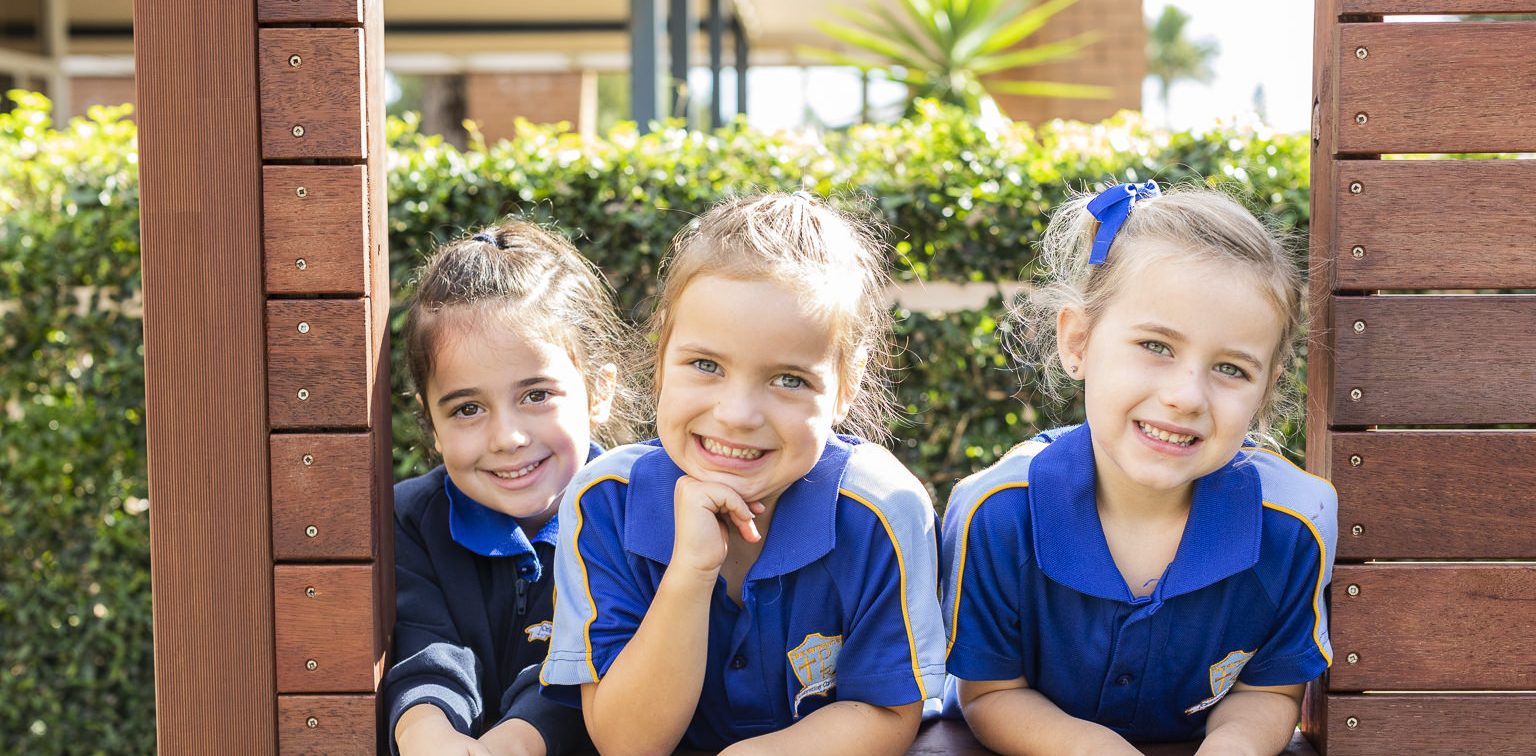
column 962, row 204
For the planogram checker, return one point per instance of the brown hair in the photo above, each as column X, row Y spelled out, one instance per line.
column 1195, row 222
column 834, row 258
column 520, row 271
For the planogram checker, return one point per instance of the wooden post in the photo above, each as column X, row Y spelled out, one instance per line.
column 266, row 295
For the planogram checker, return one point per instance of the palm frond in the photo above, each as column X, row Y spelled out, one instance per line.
column 1052, row 89
column 1063, row 50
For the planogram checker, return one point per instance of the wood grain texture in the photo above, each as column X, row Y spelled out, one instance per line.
column 316, row 238
column 1434, row 627
column 1434, row 360
column 1436, row 224
column 200, row 216
column 1435, row 7
column 326, row 725
column 323, row 94
column 1437, row 87
column 310, row 11
column 323, row 481
column 1436, row 494
column 336, row 628
column 319, row 378
column 1397, row 725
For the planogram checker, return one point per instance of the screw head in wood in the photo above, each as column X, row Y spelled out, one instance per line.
column 1352, row 723
column 298, row 130
column 311, row 723
column 311, row 665
column 300, row 264
column 1357, row 252
column 1357, row 530
column 1353, row 658
column 295, row 61
column 1362, row 53
column 310, row 591
column 1361, row 118
column 1355, row 460
column 308, row 459
column 304, row 327
column 311, row 531
column 302, row 191
column 1355, row 394
column 1359, row 326
column 1353, row 590
column 303, row 395
column 1355, row 187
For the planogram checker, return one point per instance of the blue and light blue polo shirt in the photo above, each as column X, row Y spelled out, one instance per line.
column 1032, row 591
column 842, row 604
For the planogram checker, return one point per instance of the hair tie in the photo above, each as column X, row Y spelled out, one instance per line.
column 1111, row 208
column 804, row 195
column 485, row 236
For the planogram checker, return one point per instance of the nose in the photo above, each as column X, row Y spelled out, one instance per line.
column 507, row 433
column 1185, row 391
column 738, row 407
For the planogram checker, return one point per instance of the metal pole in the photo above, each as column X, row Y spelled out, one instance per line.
column 646, row 28
column 716, row 43
column 681, row 25
column 740, row 33
column 56, row 44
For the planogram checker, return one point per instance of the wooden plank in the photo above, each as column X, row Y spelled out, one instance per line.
column 318, row 361
column 1435, row 224
column 326, row 725
column 312, row 100
column 1394, row 725
column 1434, row 360
column 322, row 496
column 1433, row 627
column 315, row 238
column 1437, row 87
column 1431, row 494
column 310, row 11
column 1430, row 7
column 200, row 205
column 328, row 640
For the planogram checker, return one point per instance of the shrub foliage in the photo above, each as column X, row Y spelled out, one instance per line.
column 961, row 203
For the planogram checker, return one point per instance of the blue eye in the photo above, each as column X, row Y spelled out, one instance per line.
column 790, row 381
column 706, row 366
column 1233, row 371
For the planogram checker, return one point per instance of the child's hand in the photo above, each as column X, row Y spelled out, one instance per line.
column 514, row 737
column 701, row 511
column 424, row 731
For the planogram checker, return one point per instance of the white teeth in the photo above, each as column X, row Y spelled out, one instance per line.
column 518, row 473
column 1162, row 435
column 716, row 447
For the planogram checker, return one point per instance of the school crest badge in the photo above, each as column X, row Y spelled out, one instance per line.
column 815, row 664
column 540, row 631
column 1223, row 677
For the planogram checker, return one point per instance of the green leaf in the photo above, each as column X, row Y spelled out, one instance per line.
column 1063, row 50
column 1053, row 89
column 1027, row 23
column 867, row 41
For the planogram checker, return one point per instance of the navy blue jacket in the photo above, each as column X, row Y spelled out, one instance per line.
column 471, row 630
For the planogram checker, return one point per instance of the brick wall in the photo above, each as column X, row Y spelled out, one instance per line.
column 1117, row 60
column 85, row 91
column 493, row 100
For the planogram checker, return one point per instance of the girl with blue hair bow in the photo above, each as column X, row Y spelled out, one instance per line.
column 1153, row 574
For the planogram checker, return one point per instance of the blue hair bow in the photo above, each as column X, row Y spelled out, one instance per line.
column 1111, row 208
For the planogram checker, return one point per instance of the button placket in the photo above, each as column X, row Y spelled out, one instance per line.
column 1122, row 679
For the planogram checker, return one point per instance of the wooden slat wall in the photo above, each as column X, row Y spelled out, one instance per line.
column 1428, row 657
column 266, row 302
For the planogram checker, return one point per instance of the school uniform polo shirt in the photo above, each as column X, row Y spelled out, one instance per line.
column 1031, row 589
column 842, row 604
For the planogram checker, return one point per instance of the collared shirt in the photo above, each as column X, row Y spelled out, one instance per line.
column 840, row 605
column 1033, row 591
column 490, row 533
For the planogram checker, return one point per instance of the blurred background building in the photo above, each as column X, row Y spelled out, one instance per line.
column 584, row 61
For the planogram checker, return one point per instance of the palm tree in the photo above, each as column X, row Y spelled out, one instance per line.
column 955, row 50
column 1172, row 56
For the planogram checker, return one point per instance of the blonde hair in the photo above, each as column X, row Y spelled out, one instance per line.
column 519, row 272
column 1196, row 224
column 836, row 260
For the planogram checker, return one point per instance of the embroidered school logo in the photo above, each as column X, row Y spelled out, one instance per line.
column 815, row 664
column 1223, row 677
column 540, row 631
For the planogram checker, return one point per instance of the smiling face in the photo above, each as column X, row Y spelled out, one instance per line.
column 1175, row 369
column 511, row 416
column 749, row 385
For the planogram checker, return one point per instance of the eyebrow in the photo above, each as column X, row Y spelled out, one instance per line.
column 1174, row 335
column 694, row 350
column 465, row 393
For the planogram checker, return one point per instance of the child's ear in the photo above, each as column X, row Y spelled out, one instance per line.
column 1072, row 340
column 848, row 386
column 604, row 386
column 421, row 406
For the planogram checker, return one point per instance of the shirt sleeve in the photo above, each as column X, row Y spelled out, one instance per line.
column 433, row 666
column 893, row 652
column 983, row 540
column 598, row 601
column 1298, row 650
column 561, row 726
